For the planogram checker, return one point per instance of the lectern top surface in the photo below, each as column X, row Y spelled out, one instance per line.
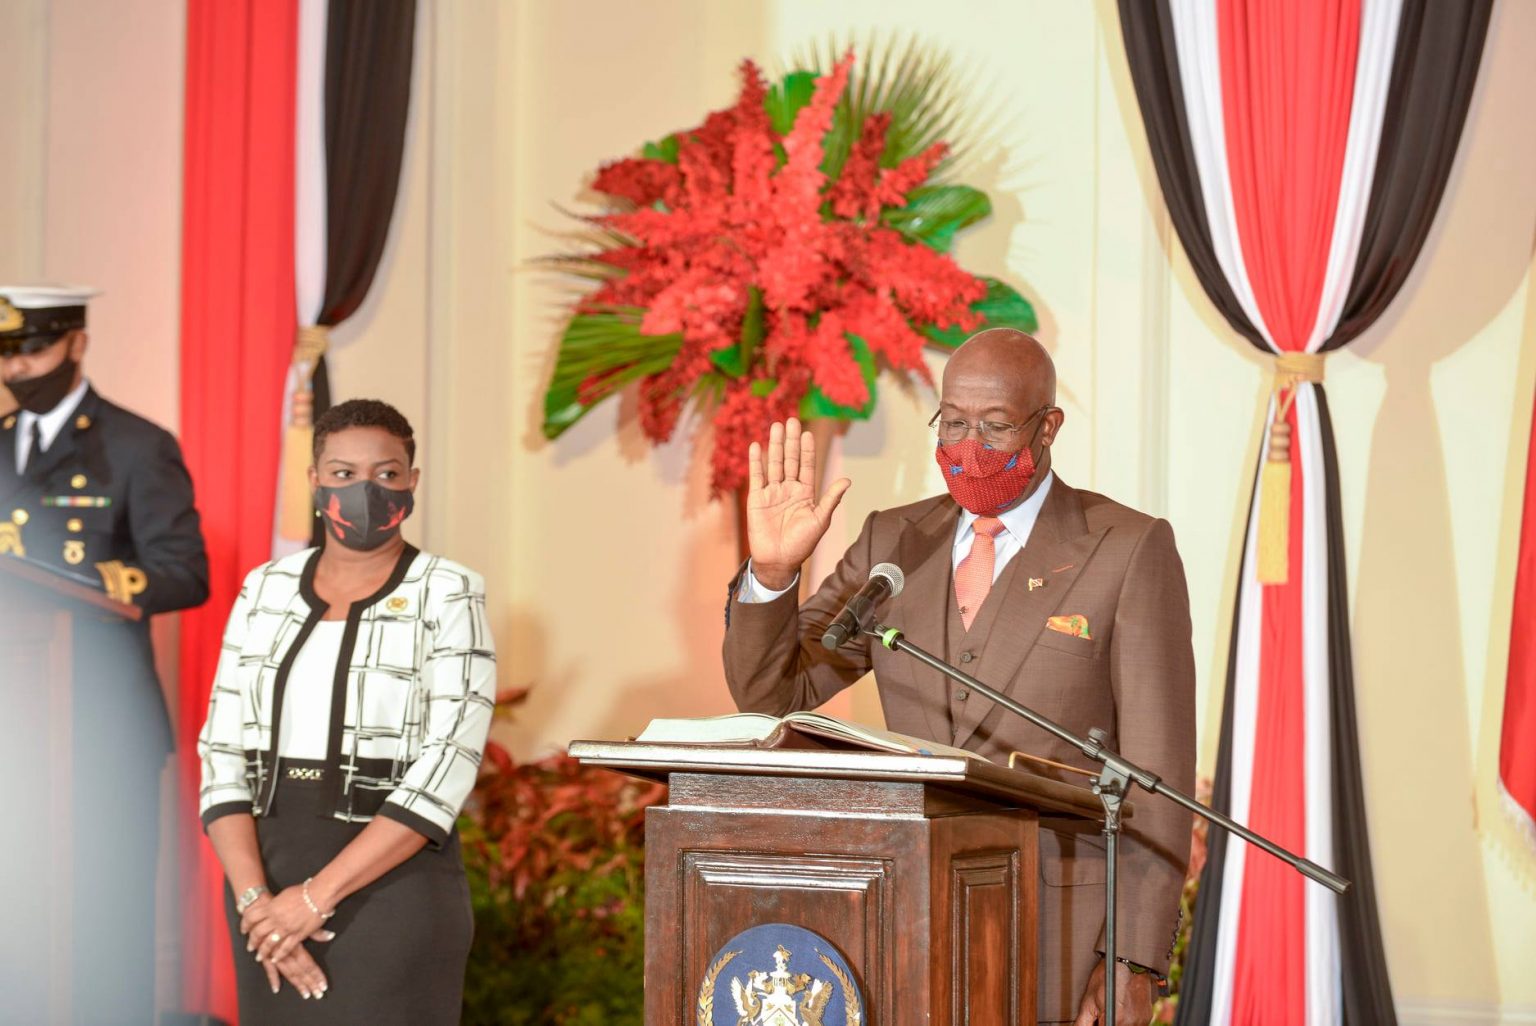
column 971, row 776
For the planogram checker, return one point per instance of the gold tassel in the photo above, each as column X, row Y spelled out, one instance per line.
column 1274, row 540
column 296, row 515
column 1275, row 510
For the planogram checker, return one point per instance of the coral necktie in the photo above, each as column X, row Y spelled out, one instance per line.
column 973, row 577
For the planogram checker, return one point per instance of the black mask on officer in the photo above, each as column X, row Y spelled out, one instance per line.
column 45, row 391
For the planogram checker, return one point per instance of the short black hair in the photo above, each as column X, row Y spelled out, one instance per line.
column 356, row 413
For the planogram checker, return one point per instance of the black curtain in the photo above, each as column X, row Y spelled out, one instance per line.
column 1434, row 69
column 369, row 49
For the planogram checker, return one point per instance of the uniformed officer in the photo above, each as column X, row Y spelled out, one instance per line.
column 101, row 494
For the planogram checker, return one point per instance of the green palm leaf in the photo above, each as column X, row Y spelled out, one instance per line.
column 606, row 347
column 935, row 212
column 916, row 85
column 1001, row 307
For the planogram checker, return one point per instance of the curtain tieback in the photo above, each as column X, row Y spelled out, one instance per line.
column 294, row 520
column 1274, row 549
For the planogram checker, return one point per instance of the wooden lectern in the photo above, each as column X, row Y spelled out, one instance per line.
column 38, row 611
column 921, row 870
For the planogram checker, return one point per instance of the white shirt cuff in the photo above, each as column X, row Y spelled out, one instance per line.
column 752, row 592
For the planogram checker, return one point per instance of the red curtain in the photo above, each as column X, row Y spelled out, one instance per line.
column 1517, row 747
column 237, row 330
column 1288, row 81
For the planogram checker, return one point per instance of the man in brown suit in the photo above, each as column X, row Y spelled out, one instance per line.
column 1086, row 620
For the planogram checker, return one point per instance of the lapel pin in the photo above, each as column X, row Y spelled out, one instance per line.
column 1036, row 582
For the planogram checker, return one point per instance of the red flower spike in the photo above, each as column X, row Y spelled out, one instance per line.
column 855, row 193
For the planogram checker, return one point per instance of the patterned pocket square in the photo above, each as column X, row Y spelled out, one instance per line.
column 1075, row 625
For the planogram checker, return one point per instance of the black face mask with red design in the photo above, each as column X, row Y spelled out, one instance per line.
column 364, row 515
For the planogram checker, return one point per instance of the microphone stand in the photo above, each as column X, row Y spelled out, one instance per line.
column 1115, row 777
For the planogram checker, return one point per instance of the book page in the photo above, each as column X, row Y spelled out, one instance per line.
column 736, row 728
column 871, row 737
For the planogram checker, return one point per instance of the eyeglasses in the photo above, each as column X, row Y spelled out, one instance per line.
column 992, row 432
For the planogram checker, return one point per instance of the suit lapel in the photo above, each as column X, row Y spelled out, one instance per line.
column 65, row 445
column 927, row 553
column 10, row 481
column 1059, row 546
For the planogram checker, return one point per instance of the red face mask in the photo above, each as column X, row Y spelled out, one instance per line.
column 982, row 479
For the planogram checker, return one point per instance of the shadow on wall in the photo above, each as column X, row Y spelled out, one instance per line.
column 562, row 702
column 1494, row 821
column 696, row 688
column 1413, row 696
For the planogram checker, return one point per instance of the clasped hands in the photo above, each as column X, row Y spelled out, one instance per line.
column 275, row 927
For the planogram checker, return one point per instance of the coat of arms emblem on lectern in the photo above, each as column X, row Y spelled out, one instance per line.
column 770, row 987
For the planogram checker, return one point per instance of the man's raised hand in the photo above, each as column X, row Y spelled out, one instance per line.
column 784, row 518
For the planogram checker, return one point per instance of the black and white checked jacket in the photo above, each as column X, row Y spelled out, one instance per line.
column 410, row 706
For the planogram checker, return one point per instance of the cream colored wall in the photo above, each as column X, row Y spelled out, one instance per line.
column 605, row 561
column 90, row 191
column 23, row 82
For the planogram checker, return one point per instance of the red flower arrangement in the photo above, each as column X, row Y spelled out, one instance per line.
column 771, row 261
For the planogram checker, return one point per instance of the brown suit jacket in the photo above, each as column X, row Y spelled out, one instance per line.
column 1134, row 676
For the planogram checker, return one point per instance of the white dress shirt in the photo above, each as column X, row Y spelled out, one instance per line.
column 50, row 424
column 1018, row 524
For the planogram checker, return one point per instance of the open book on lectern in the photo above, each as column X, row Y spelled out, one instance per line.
column 757, row 730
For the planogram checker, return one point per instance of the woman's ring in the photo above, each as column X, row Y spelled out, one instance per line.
column 274, row 937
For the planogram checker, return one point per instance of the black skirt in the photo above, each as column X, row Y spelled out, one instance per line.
column 401, row 943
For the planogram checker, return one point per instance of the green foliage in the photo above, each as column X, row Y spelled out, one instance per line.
column 556, row 872
column 914, row 84
column 784, row 100
column 816, row 404
column 601, row 352
column 935, row 212
column 666, row 150
column 1001, row 307
column 734, row 360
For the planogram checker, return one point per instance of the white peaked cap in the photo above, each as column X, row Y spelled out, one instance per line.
column 46, row 297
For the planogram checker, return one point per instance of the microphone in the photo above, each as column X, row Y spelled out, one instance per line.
column 885, row 581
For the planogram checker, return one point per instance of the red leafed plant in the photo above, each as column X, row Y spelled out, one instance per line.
column 554, row 853
column 772, row 260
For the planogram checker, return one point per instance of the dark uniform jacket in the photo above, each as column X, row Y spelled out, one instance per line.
column 110, row 502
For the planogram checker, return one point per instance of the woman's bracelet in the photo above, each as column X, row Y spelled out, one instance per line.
column 248, row 898
column 312, row 906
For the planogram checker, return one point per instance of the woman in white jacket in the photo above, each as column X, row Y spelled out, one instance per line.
column 345, row 729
